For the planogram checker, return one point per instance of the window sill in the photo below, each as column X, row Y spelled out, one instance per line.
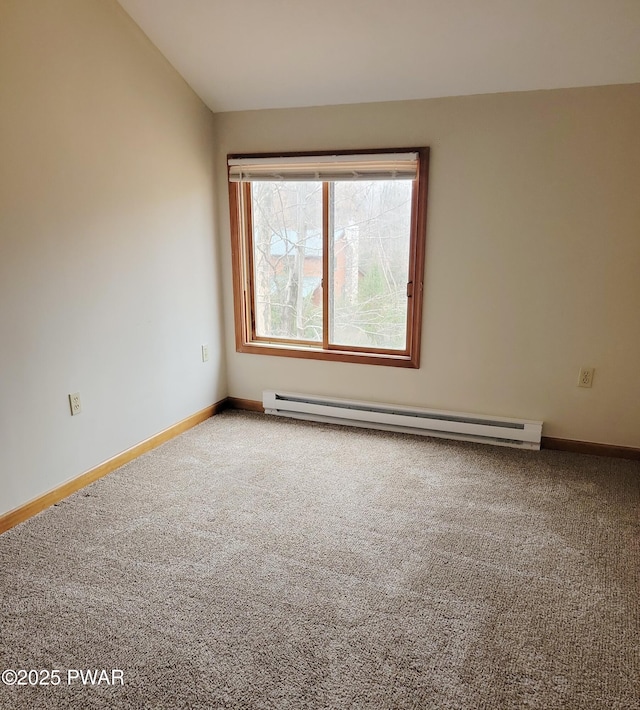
column 311, row 353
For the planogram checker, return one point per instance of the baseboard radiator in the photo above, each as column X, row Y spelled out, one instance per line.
column 518, row 433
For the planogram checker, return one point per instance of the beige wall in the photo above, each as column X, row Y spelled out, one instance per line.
column 107, row 252
column 533, row 255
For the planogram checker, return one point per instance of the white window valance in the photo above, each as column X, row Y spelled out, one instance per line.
column 327, row 168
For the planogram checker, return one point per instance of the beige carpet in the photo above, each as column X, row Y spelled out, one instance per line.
column 256, row 562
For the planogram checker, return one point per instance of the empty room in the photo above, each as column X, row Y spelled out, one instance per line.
column 319, row 350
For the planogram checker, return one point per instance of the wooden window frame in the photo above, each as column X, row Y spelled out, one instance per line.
column 242, row 268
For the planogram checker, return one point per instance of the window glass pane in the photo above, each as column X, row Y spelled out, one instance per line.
column 287, row 259
column 369, row 263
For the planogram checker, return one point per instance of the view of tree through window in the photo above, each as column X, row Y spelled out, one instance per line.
column 370, row 264
column 369, row 261
column 287, row 243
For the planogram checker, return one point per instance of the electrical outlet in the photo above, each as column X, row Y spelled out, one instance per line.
column 205, row 353
column 586, row 377
column 75, row 404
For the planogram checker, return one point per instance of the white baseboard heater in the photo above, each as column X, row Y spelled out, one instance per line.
column 519, row 433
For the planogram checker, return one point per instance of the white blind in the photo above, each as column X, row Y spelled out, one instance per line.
column 328, row 168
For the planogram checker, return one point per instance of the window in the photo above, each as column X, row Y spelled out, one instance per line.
column 328, row 254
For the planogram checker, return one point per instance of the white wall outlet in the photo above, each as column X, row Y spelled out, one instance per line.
column 586, row 377
column 205, row 353
column 75, row 404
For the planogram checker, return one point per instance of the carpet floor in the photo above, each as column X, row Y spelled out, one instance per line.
column 259, row 563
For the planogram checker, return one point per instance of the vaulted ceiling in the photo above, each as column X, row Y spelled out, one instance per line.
column 252, row 54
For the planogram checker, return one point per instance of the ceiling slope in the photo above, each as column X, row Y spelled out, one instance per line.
column 252, row 54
